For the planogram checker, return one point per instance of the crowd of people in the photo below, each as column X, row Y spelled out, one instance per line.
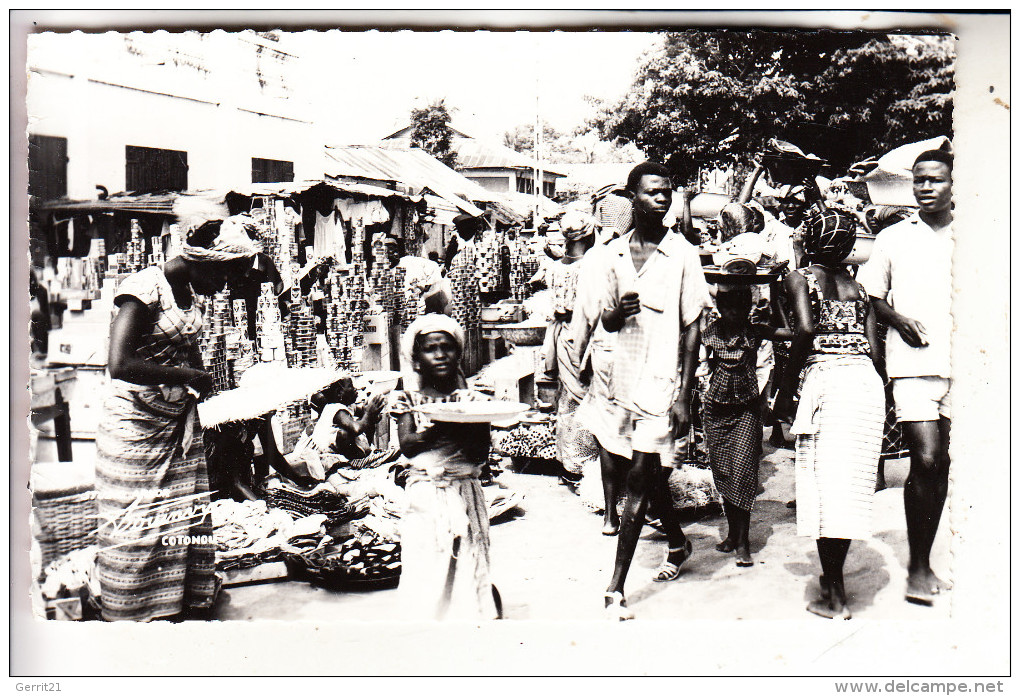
column 637, row 330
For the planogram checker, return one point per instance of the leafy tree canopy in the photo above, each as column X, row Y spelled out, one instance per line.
column 714, row 98
column 431, row 132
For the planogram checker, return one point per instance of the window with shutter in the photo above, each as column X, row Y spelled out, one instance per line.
column 264, row 171
column 47, row 167
column 151, row 169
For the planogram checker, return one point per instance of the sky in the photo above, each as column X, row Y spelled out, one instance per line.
column 373, row 79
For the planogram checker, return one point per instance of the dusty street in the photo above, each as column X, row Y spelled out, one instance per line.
column 551, row 563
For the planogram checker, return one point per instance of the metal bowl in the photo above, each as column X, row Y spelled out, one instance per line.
column 523, row 334
column 862, row 249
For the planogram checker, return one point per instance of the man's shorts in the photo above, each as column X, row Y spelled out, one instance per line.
column 653, row 435
column 921, row 398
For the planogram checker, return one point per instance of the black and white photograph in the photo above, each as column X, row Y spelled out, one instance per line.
column 512, row 343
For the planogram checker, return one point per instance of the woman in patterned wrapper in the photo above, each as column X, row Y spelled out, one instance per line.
column 444, row 531
column 841, row 412
column 155, row 555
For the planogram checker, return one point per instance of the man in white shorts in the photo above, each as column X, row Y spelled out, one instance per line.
column 652, row 297
column 909, row 280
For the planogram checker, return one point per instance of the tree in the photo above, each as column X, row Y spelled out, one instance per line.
column 431, row 132
column 714, row 98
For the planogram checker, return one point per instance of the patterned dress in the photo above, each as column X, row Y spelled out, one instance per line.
column 467, row 304
column 732, row 413
column 839, row 422
column 575, row 445
column 444, row 532
column 151, row 480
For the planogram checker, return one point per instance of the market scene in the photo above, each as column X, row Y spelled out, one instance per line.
column 686, row 357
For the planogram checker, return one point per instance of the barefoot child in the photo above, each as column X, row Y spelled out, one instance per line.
column 445, row 529
column 733, row 412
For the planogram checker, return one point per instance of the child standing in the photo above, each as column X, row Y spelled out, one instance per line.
column 445, row 529
column 733, row 412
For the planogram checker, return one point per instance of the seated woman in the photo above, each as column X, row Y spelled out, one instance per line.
column 338, row 437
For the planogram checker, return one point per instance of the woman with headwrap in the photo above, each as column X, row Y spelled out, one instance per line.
column 842, row 401
column 155, row 535
column 574, row 444
column 444, row 531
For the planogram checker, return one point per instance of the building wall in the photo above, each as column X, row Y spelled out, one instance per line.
column 219, row 98
column 499, row 184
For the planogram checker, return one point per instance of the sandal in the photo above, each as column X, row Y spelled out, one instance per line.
column 616, row 607
column 668, row 570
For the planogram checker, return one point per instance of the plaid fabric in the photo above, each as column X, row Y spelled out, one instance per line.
column 733, row 381
column 673, row 293
column 175, row 330
column 734, row 433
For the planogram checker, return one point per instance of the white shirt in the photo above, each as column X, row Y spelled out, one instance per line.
column 911, row 269
column 673, row 292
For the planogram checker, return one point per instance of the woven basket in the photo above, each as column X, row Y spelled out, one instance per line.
column 66, row 523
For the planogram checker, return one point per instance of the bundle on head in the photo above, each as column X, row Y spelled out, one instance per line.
column 737, row 218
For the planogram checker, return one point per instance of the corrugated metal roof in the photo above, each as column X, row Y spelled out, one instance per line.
column 414, row 167
column 163, row 203
column 474, row 154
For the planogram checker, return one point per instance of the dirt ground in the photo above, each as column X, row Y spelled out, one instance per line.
column 550, row 562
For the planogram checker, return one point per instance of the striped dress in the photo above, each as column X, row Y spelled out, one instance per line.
column 839, row 422
column 156, row 553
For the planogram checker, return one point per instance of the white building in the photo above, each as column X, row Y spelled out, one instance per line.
column 165, row 111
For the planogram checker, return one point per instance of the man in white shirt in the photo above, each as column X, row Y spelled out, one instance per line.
column 652, row 297
column 909, row 279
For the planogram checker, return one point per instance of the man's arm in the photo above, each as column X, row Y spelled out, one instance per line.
column 911, row 330
column 689, row 344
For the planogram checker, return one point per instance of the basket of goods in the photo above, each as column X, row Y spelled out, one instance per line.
column 743, row 260
column 359, row 563
column 788, row 164
column 523, row 334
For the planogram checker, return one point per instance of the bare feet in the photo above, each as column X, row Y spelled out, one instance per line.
column 726, row 545
column 610, row 527
column 923, row 585
column 919, row 588
column 744, row 559
column 829, row 609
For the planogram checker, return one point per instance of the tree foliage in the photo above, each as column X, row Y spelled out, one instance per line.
column 714, row 98
column 431, row 132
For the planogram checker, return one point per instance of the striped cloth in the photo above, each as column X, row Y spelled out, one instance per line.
column 734, row 434
column 148, row 490
column 839, row 439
